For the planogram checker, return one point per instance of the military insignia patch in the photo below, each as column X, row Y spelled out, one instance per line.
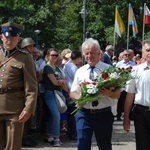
column 15, row 70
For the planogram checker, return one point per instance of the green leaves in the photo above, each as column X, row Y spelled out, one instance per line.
column 61, row 24
column 83, row 89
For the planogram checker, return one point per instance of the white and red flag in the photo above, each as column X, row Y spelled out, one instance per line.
column 147, row 15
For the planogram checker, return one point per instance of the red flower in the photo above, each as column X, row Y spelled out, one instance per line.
column 104, row 75
column 130, row 68
column 86, row 82
column 94, row 83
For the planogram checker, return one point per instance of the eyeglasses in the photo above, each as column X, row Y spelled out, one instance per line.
column 127, row 54
column 54, row 55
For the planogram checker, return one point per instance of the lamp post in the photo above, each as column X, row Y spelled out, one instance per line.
column 83, row 13
column 37, row 32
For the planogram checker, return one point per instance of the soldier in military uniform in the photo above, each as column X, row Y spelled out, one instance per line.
column 31, row 125
column 18, row 87
column 28, row 44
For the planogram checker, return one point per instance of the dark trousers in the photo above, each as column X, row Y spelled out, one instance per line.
column 71, row 122
column 43, row 123
column 120, row 104
column 100, row 123
column 142, row 128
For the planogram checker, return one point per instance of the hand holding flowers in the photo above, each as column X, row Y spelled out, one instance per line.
column 110, row 80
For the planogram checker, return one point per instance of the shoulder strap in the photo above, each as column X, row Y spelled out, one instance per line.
column 4, row 62
column 60, row 71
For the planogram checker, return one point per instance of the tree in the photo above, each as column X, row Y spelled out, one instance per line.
column 61, row 24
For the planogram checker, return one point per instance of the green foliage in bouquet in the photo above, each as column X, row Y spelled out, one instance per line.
column 114, row 78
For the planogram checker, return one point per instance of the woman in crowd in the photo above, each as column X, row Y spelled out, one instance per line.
column 53, row 80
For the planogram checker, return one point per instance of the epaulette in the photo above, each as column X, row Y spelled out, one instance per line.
column 24, row 51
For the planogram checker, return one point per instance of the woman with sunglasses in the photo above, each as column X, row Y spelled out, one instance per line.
column 53, row 80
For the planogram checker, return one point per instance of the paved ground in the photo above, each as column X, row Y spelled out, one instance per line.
column 120, row 140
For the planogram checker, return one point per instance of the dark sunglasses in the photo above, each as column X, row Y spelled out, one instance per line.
column 56, row 55
column 127, row 54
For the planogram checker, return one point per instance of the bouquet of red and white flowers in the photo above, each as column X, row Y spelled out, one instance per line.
column 114, row 78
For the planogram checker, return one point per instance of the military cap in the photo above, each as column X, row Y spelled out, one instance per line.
column 11, row 29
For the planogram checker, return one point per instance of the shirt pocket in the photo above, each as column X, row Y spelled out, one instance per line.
column 15, row 69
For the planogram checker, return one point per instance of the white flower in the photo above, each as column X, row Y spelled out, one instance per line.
column 98, row 78
column 89, row 91
column 114, row 75
column 90, row 86
column 92, row 90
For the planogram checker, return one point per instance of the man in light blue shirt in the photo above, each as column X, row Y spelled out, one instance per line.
column 70, row 69
column 124, row 63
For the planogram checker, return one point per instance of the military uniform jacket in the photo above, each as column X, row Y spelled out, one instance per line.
column 18, row 73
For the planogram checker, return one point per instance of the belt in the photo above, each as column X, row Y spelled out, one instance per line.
column 95, row 111
column 11, row 90
column 143, row 107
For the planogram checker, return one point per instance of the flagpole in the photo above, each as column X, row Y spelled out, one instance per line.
column 115, row 33
column 114, row 43
column 143, row 22
column 128, row 29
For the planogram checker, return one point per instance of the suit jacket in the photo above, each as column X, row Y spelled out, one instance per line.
column 19, row 72
column 106, row 59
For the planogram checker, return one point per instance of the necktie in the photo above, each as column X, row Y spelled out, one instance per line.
column 91, row 76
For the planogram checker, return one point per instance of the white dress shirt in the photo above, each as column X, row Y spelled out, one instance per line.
column 82, row 74
column 140, row 85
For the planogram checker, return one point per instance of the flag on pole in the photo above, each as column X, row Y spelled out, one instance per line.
column 147, row 15
column 132, row 21
column 119, row 25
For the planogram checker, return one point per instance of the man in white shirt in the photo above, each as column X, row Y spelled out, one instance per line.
column 98, row 119
column 138, row 91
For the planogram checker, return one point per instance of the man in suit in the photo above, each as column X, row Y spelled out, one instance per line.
column 107, row 56
column 18, row 87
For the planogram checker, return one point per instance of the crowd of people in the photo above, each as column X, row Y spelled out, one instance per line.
column 35, row 74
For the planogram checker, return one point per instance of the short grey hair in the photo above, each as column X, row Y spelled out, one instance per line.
column 109, row 47
column 90, row 41
column 147, row 41
column 131, row 51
